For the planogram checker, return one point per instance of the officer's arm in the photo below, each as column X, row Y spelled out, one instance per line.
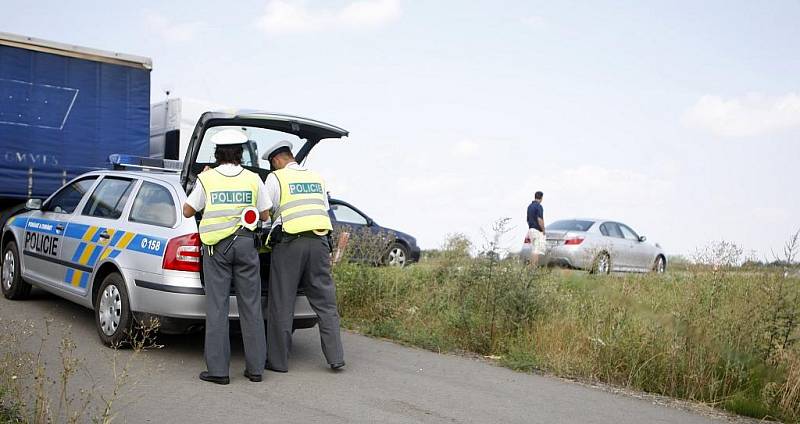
column 188, row 211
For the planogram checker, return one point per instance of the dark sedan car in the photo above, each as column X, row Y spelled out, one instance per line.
column 402, row 248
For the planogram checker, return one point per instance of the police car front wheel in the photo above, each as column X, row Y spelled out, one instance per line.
column 14, row 287
column 112, row 314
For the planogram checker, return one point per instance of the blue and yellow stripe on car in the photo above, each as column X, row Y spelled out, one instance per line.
column 76, row 278
column 92, row 248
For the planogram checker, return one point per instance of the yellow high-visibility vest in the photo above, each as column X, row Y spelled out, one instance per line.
column 226, row 197
column 302, row 204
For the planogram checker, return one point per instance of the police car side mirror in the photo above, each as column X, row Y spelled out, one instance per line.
column 33, row 204
column 642, row 239
column 370, row 222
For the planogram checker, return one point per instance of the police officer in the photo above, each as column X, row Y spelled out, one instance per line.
column 230, row 256
column 300, row 258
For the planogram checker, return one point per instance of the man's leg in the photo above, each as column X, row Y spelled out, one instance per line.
column 534, row 260
column 217, row 280
column 285, row 272
column 320, row 290
column 247, row 278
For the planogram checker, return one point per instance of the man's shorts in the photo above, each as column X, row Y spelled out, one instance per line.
column 538, row 241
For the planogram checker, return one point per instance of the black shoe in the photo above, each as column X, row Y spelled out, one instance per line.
column 337, row 366
column 211, row 379
column 267, row 366
column 255, row 378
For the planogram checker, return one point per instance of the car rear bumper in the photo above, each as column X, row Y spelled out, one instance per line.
column 182, row 297
column 561, row 256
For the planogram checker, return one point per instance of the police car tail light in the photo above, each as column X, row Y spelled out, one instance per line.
column 573, row 241
column 183, row 253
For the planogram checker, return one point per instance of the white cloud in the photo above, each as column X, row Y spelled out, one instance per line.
column 284, row 16
column 173, row 31
column 466, row 148
column 751, row 115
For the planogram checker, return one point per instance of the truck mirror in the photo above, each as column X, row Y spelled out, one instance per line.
column 33, row 204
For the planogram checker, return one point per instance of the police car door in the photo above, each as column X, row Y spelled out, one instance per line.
column 45, row 233
column 91, row 229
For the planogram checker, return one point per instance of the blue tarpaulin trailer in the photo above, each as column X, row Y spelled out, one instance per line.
column 63, row 110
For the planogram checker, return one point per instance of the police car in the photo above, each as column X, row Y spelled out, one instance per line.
column 116, row 241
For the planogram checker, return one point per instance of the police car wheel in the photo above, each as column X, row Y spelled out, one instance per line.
column 14, row 287
column 398, row 256
column 112, row 312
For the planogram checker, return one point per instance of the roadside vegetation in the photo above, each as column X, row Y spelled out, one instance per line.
column 35, row 391
column 709, row 330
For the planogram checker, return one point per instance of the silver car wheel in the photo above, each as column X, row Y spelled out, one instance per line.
column 110, row 310
column 9, row 268
column 603, row 264
column 397, row 257
column 660, row 265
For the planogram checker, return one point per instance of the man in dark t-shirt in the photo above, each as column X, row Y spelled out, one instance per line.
column 536, row 228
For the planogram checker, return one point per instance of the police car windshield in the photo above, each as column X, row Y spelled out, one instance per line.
column 260, row 139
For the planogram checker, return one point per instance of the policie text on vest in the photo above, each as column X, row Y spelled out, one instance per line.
column 231, row 197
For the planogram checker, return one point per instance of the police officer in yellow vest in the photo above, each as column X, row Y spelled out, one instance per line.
column 300, row 259
column 230, row 256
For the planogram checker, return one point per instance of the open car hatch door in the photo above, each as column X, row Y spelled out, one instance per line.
column 308, row 131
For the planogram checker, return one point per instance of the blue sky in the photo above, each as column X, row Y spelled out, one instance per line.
column 681, row 119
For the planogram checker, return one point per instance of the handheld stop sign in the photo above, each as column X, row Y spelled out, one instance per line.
column 249, row 218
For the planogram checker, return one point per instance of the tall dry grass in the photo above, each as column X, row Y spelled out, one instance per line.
column 724, row 337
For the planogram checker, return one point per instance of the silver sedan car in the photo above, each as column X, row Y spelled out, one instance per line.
column 599, row 246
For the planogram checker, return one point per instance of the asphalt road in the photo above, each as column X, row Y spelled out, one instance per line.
column 383, row 382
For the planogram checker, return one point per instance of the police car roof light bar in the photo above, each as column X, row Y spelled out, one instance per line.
column 121, row 162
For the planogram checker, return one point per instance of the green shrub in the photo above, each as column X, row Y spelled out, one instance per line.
column 725, row 337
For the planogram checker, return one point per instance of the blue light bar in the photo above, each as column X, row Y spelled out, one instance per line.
column 122, row 161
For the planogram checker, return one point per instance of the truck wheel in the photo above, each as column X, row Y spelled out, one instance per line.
column 14, row 287
column 112, row 312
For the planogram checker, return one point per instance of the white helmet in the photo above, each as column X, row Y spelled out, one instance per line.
column 229, row 136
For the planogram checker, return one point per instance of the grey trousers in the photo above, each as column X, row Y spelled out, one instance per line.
column 301, row 262
column 238, row 266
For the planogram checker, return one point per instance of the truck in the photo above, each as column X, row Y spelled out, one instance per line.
column 172, row 123
column 63, row 110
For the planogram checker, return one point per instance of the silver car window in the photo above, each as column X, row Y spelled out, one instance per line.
column 628, row 233
column 153, row 205
column 611, row 229
column 68, row 198
column 109, row 198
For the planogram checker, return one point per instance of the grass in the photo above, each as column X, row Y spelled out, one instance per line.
column 723, row 337
column 35, row 391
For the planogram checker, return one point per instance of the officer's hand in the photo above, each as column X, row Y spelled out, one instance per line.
column 206, row 168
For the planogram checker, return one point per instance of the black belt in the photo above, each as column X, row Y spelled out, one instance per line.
column 241, row 231
column 309, row 234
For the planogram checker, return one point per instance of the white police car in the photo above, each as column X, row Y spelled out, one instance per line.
column 117, row 242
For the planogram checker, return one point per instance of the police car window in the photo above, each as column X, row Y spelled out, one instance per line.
column 347, row 215
column 67, row 199
column 153, row 205
column 260, row 139
column 109, row 198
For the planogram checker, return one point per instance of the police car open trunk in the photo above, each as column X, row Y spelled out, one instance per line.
column 263, row 130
